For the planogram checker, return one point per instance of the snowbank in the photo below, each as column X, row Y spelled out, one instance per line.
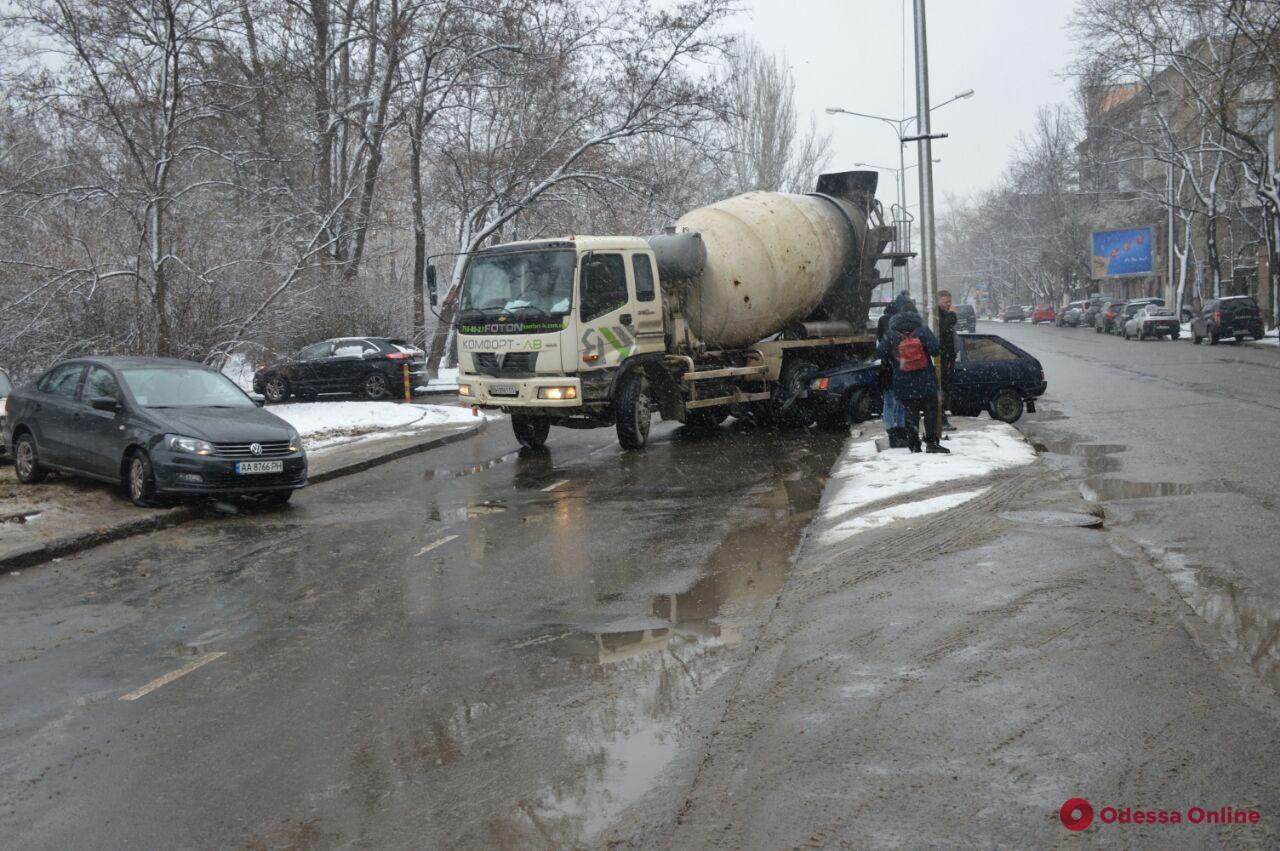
column 323, row 424
column 446, row 381
column 865, row 476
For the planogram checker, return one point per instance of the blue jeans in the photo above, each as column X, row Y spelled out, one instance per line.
column 895, row 416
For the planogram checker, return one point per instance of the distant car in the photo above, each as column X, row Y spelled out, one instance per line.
column 966, row 319
column 1152, row 320
column 1126, row 312
column 874, row 314
column 1093, row 310
column 1107, row 316
column 6, row 387
column 1043, row 313
column 371, row 366
column 991, row 374
column 1013, row 313
column 1233, row 316
column 1072, row 314
column 158, row 426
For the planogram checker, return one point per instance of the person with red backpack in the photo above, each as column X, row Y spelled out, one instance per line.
column 909, row 347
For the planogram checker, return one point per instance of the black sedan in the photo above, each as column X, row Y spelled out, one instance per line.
column 371, row 366
column 991, row 374
column 156, row 425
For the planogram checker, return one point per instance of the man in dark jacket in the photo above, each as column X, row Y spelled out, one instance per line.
column 916, row 389
column 947, row 338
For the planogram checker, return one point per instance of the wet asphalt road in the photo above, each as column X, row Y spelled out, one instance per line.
column 473, row 647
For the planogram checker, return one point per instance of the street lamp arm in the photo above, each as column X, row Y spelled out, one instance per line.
column 892, row 122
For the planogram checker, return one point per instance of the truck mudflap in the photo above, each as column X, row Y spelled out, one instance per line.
column 550, row 391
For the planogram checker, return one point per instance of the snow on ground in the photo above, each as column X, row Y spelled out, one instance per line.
column 325, row 424
column 865, row 476
column 446, row 381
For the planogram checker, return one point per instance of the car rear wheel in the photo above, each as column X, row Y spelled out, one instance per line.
column 860, row 405
column 140, row 479
column 531, row 432
column 26, row 460
column 276, row 389
column 376, row 386
column 1006, row 405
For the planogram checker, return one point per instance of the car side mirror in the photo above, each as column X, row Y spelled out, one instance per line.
column 257, row 399
column 105, row 403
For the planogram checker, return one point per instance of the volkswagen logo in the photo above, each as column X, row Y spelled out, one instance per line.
column 255, row 448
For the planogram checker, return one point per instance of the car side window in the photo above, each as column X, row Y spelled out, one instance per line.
column 99, row 383
column 603, row 284
column 315, row 351
column 985, row 351
column 62, row 380
column 348, row 349
column 642, row 269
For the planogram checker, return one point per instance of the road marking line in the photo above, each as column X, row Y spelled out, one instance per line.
column 172, row 675
column 556, row 485
column 440, row 543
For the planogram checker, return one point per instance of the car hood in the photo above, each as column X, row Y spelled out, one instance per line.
column 223, row 425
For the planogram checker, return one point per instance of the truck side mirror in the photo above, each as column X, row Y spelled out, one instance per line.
column 431, row 284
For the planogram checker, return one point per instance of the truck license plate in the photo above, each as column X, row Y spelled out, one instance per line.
column 503, row 390
column 247, row 467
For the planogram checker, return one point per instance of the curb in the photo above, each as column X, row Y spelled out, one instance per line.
column 35, row 554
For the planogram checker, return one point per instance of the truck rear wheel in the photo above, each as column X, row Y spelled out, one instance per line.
column 633, row 412
column 530, row 431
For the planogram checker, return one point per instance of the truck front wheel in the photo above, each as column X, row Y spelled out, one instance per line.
column 530, row 431
column 633, row 412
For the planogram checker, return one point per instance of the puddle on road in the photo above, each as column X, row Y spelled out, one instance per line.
column 1102, row 489
column 1248, row 620
column 20, row 517
column 1054, row 518
column 1097, row 457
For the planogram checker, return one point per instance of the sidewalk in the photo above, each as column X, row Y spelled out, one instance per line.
column 950, row 680
column 66, row 514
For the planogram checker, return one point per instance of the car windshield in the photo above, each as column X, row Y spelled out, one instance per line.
column 1239, row 303
column 532, row 281
column 183, row 388
column 5, row 386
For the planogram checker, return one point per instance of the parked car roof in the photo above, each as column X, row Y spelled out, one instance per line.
column 127, row 362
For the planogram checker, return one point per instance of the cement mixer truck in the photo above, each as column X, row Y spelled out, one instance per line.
column 732, row 310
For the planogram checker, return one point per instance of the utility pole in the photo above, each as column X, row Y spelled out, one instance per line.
column 928, row 247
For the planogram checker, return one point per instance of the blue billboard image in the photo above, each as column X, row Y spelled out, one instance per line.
column 1123, row 252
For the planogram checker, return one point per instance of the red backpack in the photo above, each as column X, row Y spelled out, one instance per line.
column 911, row 356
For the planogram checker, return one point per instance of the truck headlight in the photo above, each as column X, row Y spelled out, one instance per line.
column 557, row 393
column 191, row 445
column 464, row 390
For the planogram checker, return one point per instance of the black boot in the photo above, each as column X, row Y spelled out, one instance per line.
column 937, row 448
column 898, row 438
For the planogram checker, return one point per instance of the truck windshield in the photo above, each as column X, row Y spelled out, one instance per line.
column 520, row 282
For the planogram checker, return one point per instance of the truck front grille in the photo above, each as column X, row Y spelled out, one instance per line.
column 507, row 364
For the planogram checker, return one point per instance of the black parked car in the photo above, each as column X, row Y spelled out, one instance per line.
column 991, row 374
column 1233, row 316
column 156, row 425
column 372, row 366
column 966, row 319
column 1013, row 313
column 1093, row 311
column 6, row 387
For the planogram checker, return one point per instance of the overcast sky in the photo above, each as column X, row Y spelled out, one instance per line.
column 848, row 53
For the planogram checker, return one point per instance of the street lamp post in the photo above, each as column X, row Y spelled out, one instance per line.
column 899, row 127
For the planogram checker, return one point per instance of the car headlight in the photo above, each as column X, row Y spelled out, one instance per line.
column 555, row 393
column 192, row 445
column 295, row 442
column 819, row 384
column 464, row 389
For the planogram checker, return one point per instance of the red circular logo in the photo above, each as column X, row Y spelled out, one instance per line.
column 1076, row 814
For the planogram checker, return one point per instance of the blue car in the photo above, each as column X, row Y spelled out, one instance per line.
column 991, row 374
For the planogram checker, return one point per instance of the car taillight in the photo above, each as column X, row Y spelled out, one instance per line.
column 397, row 356
column 1217, row 316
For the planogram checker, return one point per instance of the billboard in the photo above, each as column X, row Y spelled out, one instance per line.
column 1118, row 253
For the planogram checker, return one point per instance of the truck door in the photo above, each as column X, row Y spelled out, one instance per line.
column 606, row 315
column 649, row 332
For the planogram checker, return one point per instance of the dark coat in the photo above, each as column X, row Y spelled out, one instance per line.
column 910, row 385
column 947, row 334
column 882, row 328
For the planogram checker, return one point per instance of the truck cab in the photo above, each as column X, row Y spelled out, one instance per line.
column 544, row 326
